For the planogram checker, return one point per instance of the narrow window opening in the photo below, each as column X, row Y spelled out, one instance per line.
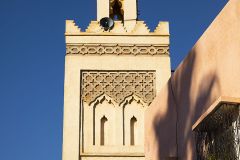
column 103, row 130
column 117, row 11
column 94, row 125
column 133, row 122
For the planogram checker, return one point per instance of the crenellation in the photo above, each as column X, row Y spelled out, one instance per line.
column 71, row 27
column 118, row 28
column 141, row 28
column 94, row 27
column 162, row 28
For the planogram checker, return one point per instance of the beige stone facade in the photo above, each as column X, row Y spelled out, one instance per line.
column 111, row 77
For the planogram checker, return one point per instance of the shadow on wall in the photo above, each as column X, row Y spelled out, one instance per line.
column 210, row 70
column 186, row 101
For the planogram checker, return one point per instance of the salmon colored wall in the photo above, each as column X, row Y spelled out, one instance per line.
column 211, row 70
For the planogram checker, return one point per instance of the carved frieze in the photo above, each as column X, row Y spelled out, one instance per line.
column 117, row 49
column 118, row 85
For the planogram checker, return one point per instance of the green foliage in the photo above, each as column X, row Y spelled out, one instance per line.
column 211, row 157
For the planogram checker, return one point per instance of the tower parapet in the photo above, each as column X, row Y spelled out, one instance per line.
column 148, row 43
column 140, row 28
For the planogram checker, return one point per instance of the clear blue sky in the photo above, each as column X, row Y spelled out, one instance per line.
column 32, row 63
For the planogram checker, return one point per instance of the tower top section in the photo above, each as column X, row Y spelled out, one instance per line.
column 117, row 22
column 121, row 10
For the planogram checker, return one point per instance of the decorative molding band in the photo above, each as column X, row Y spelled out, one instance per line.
column 118, row 85
column 117, row 49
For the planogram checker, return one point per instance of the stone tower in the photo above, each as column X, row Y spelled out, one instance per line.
column 111, row 77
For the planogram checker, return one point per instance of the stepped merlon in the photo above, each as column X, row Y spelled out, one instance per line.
column 124, row 14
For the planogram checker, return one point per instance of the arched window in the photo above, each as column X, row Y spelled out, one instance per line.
column 103, row 130
column 117, row 13
column 133, row 122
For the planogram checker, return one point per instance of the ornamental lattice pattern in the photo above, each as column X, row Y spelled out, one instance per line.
column 118, row 85
column 117, row 49
column 218, row 136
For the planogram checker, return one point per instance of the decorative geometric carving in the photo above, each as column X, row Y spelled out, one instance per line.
column 118, row 85
column 117, row 49
column 130, row 99
column 102, row 98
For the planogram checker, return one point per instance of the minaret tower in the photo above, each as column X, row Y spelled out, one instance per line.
column 112, row 74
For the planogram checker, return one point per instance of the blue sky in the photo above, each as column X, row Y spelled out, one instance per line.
column 32, row 63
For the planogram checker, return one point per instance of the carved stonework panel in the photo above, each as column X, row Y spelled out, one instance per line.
column 118, row 85
column 117, row 49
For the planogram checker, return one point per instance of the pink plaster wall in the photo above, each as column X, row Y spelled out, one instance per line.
column 211, row 70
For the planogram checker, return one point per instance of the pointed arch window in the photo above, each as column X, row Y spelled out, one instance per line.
column 116, row 11
column 133, row 122
column 103, row 130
